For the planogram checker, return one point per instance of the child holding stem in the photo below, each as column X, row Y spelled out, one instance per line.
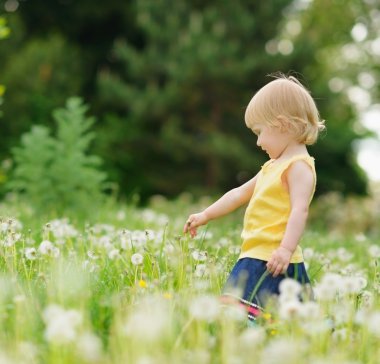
column 285, row 119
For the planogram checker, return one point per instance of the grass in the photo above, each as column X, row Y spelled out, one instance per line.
column 81, row 298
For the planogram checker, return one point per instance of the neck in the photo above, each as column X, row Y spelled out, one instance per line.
column 292, row 149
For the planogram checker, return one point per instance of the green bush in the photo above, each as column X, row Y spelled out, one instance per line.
column 56, row 174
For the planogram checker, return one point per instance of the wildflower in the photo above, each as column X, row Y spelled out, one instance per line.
column 11, row 239
column 201, row 270
column 149, row 321
column 277, row 350
column 374, row 251
column 30, row 253
column 47, row 248
column 89, row 347
column 114, row 254
column 167, row 296
column 310, row 310
column 199, row 256
column 137, row 259
column 308, row 253
column 61, row 324
column 290, row 287
column 290, row 310
column 252, row 337
column 374, row 323
column 204, row 308
column 142, row 283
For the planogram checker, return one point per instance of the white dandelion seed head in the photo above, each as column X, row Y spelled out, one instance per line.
column 205, row 308
column 310, row 310
column 47, row 248
column 367, row 299
column 89, row 347
column 290, row 287
column 308, row 253
column 199, row 256
column 61, row 324
column 373, row 323
column 149, row 321
column 252, row 337
column 201, row 270
column 30, row 253
column 290, row 310
column 374, row 251
column 352, row 285
column 342, row 313
column 62, row 229
column 137, row 259
column 235, row 313
column 277, row 350
column 114, row 254
column 340, row 334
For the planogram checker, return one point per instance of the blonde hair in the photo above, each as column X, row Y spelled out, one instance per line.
column 286, row 103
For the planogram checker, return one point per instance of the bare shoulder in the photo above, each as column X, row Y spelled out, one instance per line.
column 300, row 173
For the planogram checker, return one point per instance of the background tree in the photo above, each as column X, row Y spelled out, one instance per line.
column 170, row 87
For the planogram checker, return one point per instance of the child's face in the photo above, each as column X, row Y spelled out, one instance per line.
column 272, row 140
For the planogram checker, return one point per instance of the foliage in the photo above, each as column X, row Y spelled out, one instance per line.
column 56, row 173
column 179, row 97
column 4, row 32
column 171, row 86
column 39, row 77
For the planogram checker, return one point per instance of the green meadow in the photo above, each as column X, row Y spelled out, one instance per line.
column 129, row 287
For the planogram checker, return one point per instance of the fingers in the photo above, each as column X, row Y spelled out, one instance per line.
column 190, row 226
column 276, row 268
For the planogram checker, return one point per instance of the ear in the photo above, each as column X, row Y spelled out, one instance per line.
column 284, row 124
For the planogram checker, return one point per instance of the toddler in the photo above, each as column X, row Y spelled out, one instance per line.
column 285, row 119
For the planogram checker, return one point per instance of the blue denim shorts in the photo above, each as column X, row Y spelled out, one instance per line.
column 255, row 285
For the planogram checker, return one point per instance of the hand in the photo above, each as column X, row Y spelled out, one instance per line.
column 279, row 261
column 193, row 222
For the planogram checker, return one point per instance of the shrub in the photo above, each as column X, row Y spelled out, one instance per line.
column 56, row 174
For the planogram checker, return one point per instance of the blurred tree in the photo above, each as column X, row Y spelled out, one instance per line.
column 172, row 93
column 177, row 102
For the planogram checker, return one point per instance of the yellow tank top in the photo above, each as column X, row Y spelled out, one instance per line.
column 268, row 212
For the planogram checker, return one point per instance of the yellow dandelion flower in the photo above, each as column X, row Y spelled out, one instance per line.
column 267, row 316
column 273, row 332
column 142, row 283
column 167, row 295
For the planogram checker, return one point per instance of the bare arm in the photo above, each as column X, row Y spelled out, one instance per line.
column 300, row 180
column 229, row 202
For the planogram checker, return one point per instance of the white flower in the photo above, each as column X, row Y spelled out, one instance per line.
column 30, row 253
column 114, row 254
column 61, row 324
column 374, row 251
column 252, row 337
column 367, row 299
column 374, row 323
column 47, row 248
column 149, row 322
column 310, row 310
column 62, row 230
column 205, row 308
column 308, row 253
column 290, row 287
column 281, row 351
column 199, row 256
column 201, row 270
column 290, row 310
column 137, row 259
column 89, row 347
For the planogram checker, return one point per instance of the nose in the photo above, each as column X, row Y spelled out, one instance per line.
column 258, row 141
